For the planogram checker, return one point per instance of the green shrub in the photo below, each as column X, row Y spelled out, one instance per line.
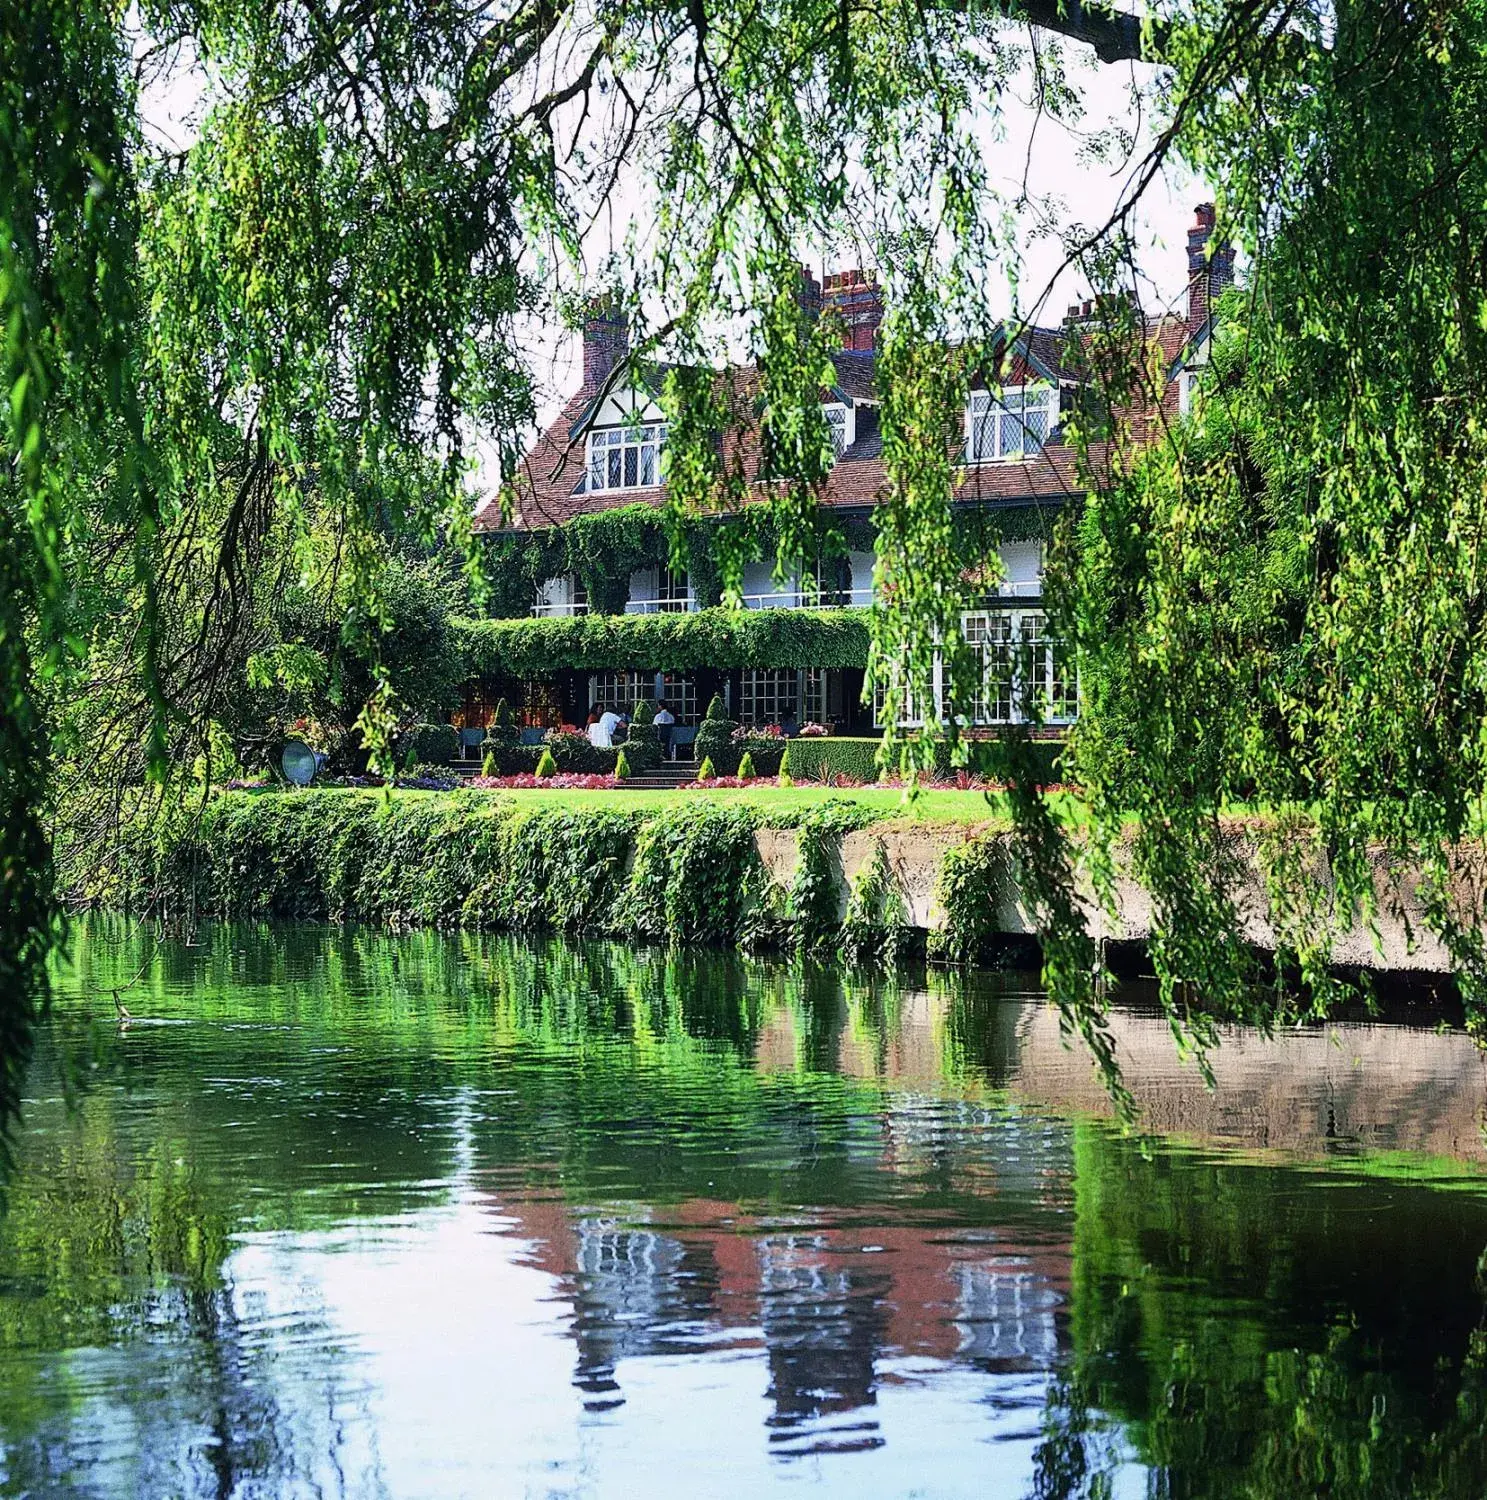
column 785, row 777
column 574, row 752
column 746, row 766
column 431, row 745
column 546, row 764
column 511, row 760
column 643, row 743
column 622, row 766
column 503, row 729
column 764, row 749
column 715, row 738
column 706, row 771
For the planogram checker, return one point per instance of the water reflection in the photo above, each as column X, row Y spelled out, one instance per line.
column 349, row 1215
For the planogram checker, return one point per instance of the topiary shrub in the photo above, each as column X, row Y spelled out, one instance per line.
column 706, row 771
column 715, row 737
column 785, row 777
column 622, row 766
column 503, row 729
column 746, row 769
column 489, row 767
column 575, row 752
column 546, row 765
column 643, row 743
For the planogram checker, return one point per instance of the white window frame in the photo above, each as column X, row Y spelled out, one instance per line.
column 763, row 691
column 573, row 596
column 1020, row 661
column 841, row 419
column 673, row 590
column 613, row 453
column 1002, row 427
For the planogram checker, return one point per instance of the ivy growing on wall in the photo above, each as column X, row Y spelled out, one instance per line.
column 603, row 549
column 536, row 647
column 690, row 873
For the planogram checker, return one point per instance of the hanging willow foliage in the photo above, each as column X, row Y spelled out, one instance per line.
column 248, row 361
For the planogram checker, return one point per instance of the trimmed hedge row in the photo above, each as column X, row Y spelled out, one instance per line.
column 816, row 759
column 723, row 638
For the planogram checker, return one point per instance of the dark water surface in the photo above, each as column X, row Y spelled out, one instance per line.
column 342, row 1214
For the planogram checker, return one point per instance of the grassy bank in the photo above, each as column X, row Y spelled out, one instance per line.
column 776, row 806
column 656, row 866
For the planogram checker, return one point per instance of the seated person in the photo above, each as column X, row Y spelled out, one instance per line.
column 789, row 724
column 609, row 721
column 600, row 733
column 665, row 722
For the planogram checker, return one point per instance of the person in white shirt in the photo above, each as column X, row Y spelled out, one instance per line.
column 609, row 721
column 665, row 722
column 600, row 736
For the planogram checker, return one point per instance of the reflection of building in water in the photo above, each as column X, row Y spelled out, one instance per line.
column 972, row 1270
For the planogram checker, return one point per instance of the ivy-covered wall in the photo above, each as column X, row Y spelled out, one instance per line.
column 715, row 638
column 683, row 874
column 602, row 550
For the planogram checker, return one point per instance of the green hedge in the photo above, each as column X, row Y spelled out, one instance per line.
column 724, row 638
column 688, row 873
column 841, row 755
column 837, row 755
column 682, row 873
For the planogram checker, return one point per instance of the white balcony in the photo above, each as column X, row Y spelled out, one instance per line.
column 561, row 609
column 661, row 606
column 809, row 599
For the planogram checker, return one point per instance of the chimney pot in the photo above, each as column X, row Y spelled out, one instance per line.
column 859, row 304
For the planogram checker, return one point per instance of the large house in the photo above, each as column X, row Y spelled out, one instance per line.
column 605, row 451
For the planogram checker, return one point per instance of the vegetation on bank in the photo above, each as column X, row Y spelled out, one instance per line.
column 656, row 868
column 666, row 642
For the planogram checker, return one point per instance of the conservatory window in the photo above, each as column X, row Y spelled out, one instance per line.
column 1014, row 426
column 626, row 458
column 771, row 694
column 1022, row 665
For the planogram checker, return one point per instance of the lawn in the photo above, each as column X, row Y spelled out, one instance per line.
column 788, row 804
column 935, row 806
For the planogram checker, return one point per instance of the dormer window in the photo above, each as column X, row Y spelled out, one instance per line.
column 839, row 419
column 1016, row 425
column 625, row 458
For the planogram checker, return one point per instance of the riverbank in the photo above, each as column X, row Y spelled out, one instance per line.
column 857, row 874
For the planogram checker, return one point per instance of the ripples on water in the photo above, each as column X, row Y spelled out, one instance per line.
column 352, row 1215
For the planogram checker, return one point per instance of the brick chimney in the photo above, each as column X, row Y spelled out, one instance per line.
column 606, row 340
column 858, row 301
column 1210, row 268
column 808, row 294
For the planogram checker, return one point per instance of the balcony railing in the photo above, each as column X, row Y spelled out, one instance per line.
column 660, row 606
column 561, row 610
column 809, row 599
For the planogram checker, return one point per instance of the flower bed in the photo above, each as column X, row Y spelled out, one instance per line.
column 714, row 782
column 565, row 781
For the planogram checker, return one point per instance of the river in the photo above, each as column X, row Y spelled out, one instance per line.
column 344, row 1214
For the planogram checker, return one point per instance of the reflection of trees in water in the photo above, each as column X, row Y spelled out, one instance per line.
column 122, row 1344
column 1246, row 1332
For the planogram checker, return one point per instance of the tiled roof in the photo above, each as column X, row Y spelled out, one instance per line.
column 550, row 487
